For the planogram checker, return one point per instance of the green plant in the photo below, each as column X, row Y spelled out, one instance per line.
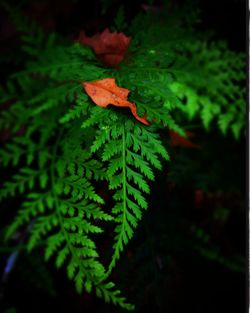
column 62, row 147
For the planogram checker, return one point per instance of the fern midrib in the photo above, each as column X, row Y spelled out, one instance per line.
column 124, row 176
column 124, row 166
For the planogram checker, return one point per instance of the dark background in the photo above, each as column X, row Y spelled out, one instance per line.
column 188, row 254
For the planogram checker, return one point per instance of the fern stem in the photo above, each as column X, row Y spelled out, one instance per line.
column 124, row 176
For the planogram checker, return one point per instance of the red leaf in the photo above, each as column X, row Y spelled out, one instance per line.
column 109, row 47
column 104, row 92
column 198, row 197
column 177, row 140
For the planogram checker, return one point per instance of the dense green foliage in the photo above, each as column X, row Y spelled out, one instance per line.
column 62, row 147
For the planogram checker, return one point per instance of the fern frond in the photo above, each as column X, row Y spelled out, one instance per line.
column 40, row 228
column 24, row 180
column 104, row 291
column 79, row 109
column 33, row 37
column 130, row 150
column 73, row 245
column 69, row 63
column 34, row 205
column 215, row 90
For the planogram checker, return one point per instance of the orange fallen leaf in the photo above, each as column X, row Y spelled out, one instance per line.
column 177, row 140
column 109, row 47
column 105, row 91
